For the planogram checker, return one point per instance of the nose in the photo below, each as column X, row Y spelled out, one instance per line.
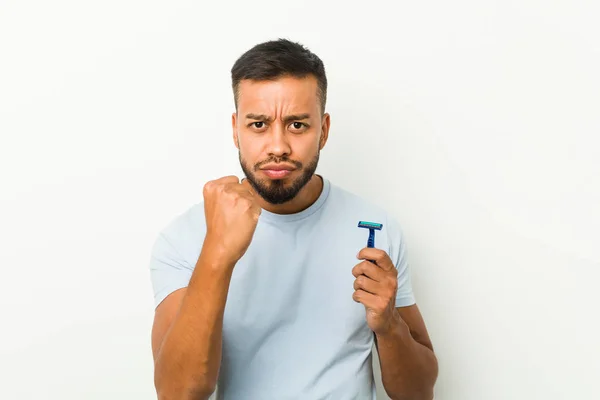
column 279, row 144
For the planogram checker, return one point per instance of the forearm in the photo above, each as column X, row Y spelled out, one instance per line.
column 189, row 358
column 408, row 369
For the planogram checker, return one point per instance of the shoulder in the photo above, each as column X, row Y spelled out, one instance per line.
column 342, row 197
column 185, row 221
column 185, row 231
column 350, row 202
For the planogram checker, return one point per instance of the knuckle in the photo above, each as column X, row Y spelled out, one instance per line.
column 221, row 190
column 246, row 203
column 229, row 179
column 208, row 186
column 392, row 282
column 389, row 295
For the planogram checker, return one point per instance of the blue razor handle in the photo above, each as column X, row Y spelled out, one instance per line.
column 372, row 226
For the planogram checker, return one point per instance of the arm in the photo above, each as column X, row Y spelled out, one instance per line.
column 188, row 325
column 187, row 331
column 408, row 365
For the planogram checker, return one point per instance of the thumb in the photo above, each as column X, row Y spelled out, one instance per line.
column 246, row 184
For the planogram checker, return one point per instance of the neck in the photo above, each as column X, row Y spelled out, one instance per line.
column 304, row 199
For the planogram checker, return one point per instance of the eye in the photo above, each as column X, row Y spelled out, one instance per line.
column 298, row 126
column 258, row 124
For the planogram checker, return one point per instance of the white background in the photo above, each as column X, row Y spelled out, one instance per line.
column 474, row 122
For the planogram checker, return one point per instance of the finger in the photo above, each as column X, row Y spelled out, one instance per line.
column 219, row 184
column 233, row 187
column 242, row 188
column 227, row 179
column 369, row 300
column 246, row 185
column 370, row 270
column 367, row 284
column 381, row 258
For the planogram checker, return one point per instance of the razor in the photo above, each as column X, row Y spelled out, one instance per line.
column 372, row 227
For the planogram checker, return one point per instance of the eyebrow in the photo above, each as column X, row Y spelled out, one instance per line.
column 287, row 118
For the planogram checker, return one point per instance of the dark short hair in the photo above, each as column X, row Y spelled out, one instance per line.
column 276, row 59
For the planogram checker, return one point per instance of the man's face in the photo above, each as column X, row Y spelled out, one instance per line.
column 279, row 125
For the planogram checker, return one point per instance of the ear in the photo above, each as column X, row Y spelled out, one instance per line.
column 324, row 130
column 236, row 140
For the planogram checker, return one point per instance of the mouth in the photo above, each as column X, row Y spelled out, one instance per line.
column 276, row 173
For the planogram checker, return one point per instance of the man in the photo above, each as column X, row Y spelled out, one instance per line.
column 259, row 288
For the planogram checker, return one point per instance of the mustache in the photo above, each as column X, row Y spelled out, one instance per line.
column 278, row 160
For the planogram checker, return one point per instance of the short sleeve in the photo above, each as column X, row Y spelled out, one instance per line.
column 168, row 269
column 404, row 296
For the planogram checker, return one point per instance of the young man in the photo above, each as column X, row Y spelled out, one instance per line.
column 259, row 288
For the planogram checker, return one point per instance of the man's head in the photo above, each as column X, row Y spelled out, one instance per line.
column 280, row 90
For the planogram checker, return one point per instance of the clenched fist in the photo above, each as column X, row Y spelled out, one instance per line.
column 231, row 216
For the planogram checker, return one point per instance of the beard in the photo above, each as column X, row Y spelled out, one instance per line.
column 276, row 191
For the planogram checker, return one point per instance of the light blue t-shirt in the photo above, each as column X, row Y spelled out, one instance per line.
column 291, row 329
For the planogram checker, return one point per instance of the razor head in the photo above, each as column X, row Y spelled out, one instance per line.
column 370, row 225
